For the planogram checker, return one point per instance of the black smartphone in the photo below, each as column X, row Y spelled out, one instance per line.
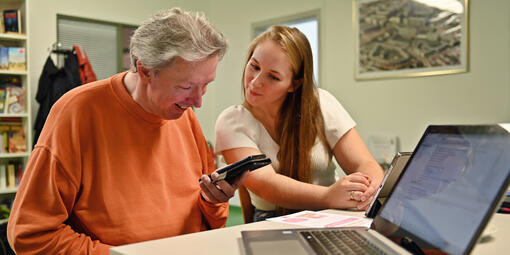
column 250, row 163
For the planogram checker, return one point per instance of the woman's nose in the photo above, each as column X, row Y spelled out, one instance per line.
column 257, row 81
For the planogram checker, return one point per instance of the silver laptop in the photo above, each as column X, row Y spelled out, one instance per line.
column 444, row 198
column 390, row 178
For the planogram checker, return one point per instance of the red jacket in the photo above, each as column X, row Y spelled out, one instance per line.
column 86, row 73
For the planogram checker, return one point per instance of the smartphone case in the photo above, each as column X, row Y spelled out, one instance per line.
column 250, row 163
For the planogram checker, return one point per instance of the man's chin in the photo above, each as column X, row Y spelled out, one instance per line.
column 173, row 116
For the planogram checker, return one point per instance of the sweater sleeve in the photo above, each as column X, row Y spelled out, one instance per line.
column 214, row 213
column 39, row 219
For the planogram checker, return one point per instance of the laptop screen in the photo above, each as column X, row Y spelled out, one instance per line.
column 450, row 187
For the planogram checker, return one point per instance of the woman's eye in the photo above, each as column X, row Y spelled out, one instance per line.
column 274, row 78
column 255, row 67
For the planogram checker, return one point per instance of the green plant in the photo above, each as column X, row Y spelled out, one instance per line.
column 4, row 212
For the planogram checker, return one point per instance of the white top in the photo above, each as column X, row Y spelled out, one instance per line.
column 236, row 128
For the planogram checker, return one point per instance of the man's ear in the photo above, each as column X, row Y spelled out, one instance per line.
column 295, row 85
column 143, row 72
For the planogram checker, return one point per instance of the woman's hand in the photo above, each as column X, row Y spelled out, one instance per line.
column 350, row 191
column 369, row 194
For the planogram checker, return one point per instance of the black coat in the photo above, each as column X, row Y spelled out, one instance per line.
column 54, row 83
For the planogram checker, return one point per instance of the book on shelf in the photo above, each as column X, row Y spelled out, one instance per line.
column 2, row 99
column 14, row 99
column 17, row 140
column 13, row 133
column 17, row 60
column 11, row 175
column 20, row 168
column 2, row 28
column 12, row 95
column 12, row 21
column 4, row 58
column 4, row 138
column 10, row 80
column 3, row 176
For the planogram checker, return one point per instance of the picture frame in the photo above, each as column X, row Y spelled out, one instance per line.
column 410, row 38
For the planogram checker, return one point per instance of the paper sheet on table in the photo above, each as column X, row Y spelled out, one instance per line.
column 322, row 220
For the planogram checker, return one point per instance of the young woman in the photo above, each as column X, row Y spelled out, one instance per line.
column 300, row 127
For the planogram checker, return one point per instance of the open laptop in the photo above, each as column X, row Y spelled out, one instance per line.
column 447, row 193
column 390, row 178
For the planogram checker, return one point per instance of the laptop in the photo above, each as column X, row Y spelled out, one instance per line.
column 390, row 178
column 448, row 191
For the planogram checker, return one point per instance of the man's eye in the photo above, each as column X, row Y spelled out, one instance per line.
column 186, row 88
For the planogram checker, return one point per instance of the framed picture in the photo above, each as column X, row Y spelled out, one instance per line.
column 409, row 38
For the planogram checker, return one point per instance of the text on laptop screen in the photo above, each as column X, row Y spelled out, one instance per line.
column 449, row 186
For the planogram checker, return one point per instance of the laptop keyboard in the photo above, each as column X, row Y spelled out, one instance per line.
column 339, row 242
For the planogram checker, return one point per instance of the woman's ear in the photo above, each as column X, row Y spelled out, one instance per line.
column 295, row 85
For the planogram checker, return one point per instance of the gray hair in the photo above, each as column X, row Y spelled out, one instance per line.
column 175, row 33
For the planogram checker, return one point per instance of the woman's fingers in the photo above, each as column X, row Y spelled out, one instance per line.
column 371, row 190
column 354, row 186
column 359, row 178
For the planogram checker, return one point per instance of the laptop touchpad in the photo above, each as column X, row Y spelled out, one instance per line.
column 281, row 247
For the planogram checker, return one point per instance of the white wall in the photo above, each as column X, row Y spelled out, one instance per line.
column 398, row 106
column 42, row 23
column 402, row 106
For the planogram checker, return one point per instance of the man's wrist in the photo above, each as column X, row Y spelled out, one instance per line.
column 204, row 198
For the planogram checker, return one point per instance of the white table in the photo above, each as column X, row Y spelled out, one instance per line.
column 228, row 240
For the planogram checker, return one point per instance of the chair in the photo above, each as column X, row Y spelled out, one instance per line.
column 246, row 206
column 5, row 248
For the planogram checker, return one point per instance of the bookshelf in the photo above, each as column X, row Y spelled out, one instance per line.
column 10, row 72
column 8, row 190
column 24, row 118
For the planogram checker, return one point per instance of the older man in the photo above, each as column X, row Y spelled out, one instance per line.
column 118, row 160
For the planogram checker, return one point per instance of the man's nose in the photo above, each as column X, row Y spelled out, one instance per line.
column 196, row 96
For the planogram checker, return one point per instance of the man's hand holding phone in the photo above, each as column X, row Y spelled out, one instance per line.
column 221, row 185
column 221, row 191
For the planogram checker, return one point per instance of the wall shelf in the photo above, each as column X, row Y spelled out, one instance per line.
column 8, row 190
column 15, row 155
column 10, row 72
column 10, row 115
column 13, row 36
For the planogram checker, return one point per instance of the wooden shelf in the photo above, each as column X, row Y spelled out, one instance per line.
column 10, row 72
column 8, row 190
column 10, row 115
column 14, row 155
column 13, row 36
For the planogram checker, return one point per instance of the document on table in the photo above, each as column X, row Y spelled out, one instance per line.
column 313, row 219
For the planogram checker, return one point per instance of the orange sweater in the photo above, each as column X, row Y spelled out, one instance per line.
column 105, row 172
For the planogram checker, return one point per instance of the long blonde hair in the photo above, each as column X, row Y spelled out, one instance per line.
column 300, row 121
